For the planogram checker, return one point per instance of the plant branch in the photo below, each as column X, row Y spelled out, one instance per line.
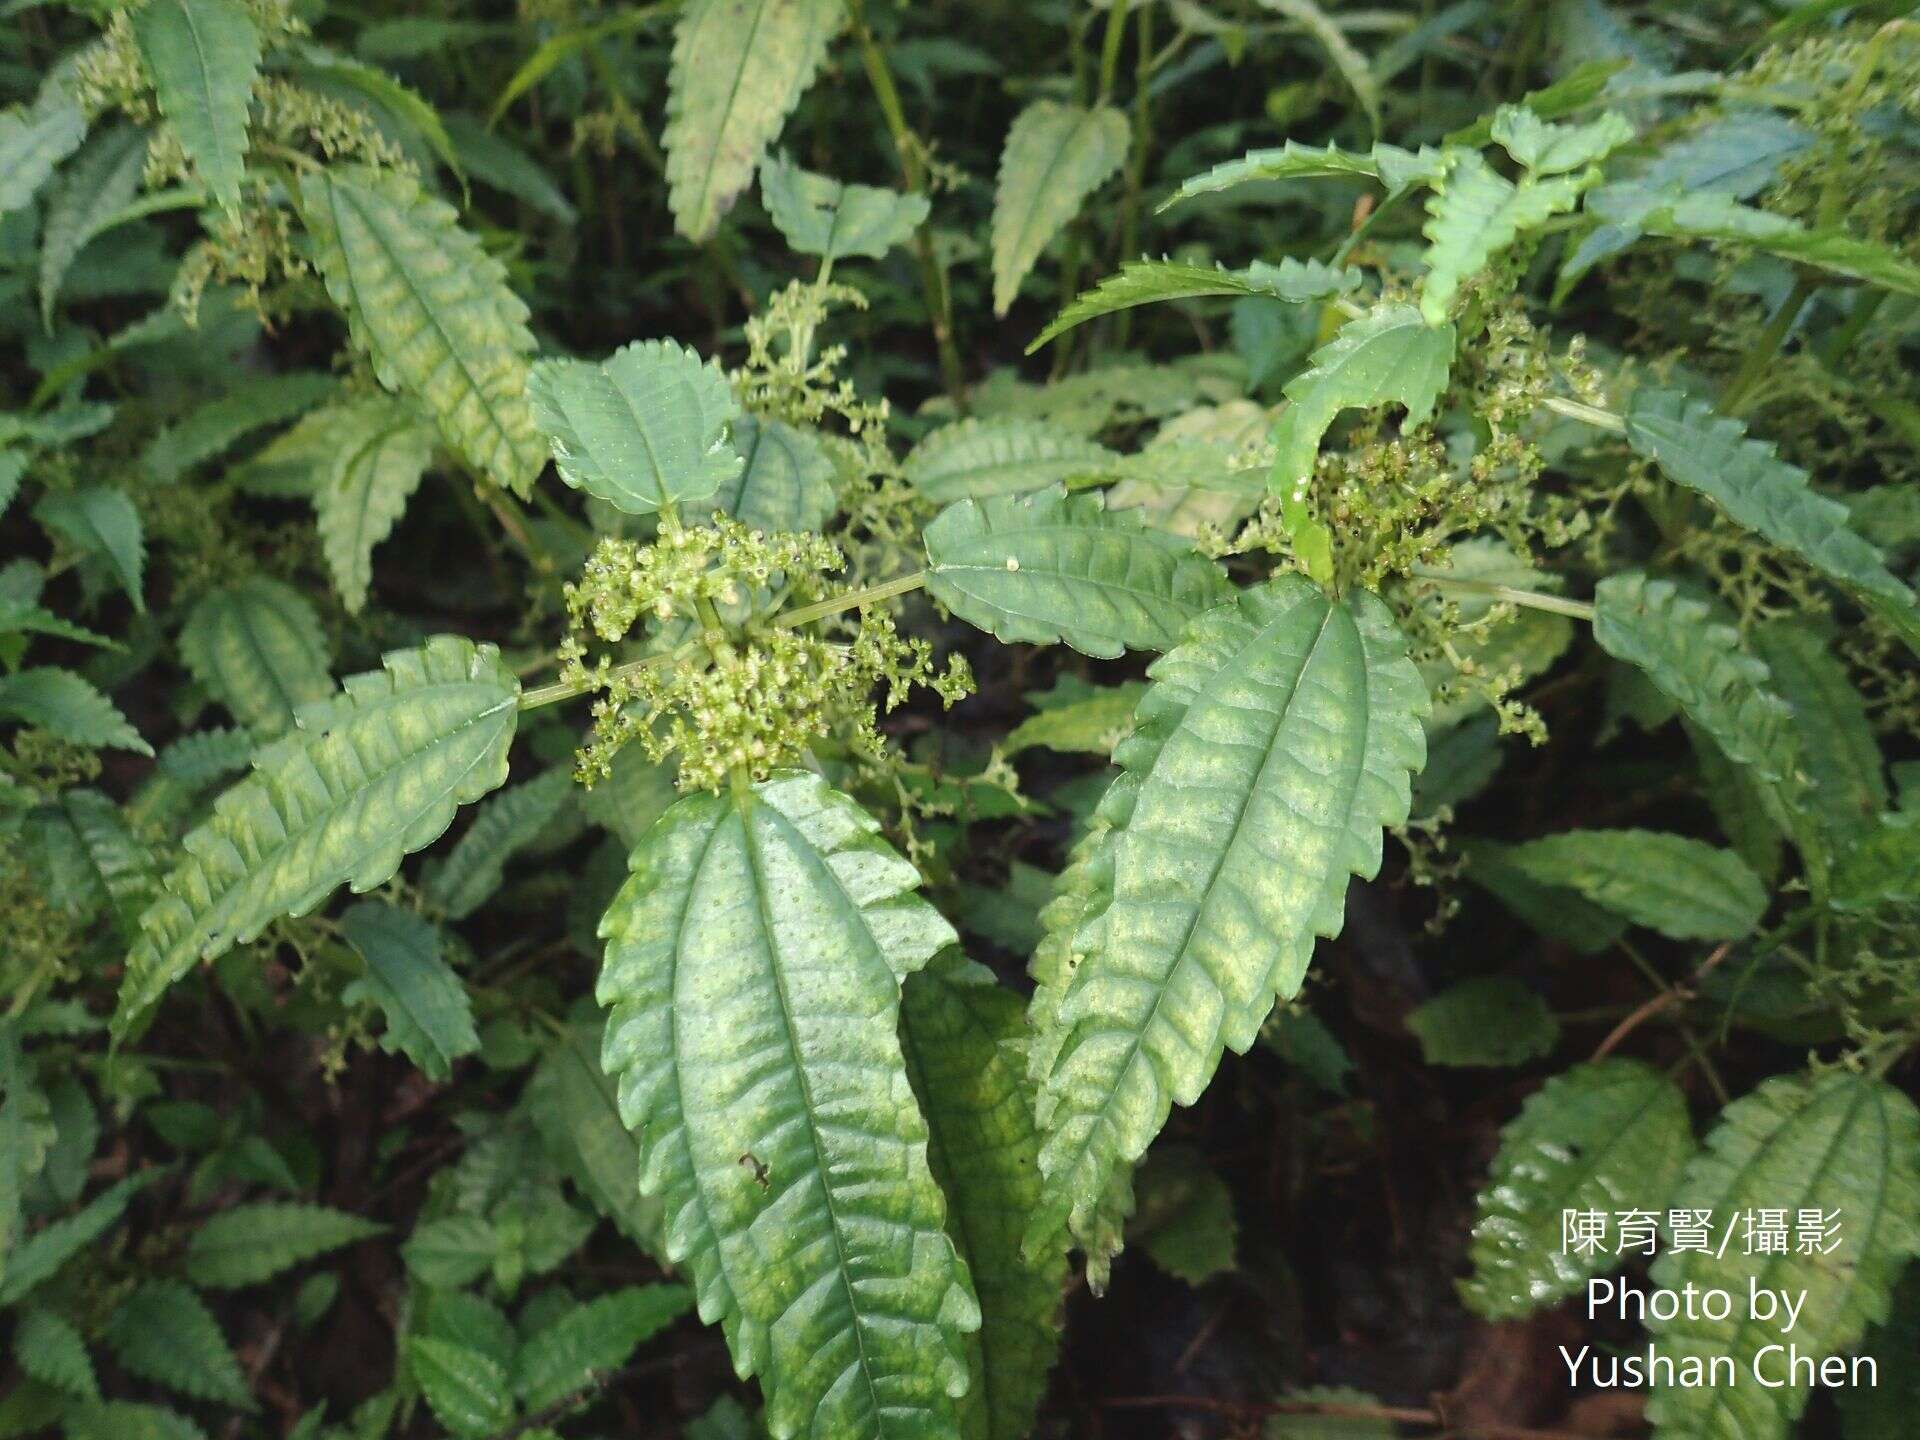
column 852, row 600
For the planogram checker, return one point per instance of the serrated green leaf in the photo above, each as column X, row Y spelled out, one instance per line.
column 1548, row 149
column 164, row 1332
column 786, row 482
column 100, row 520
column 594, row 1339
column 93, row 861
column 644, row 430
column 126, row 1420
column 1092, row 724
column 759, row 1060
column 467, row 1392
column 34, row 140
column 1493, row 1021
column 502, row 826
column 1609, row 1135
column 1475, row 214
column 49, row 1349
column 431, row 310
column 203, row 56
column 1714, row 455
column 250, row 1244
column 1275, row 744
column 1882, row 867
column 1701, row 664
column 429, row 1017
column 1146, row 282
column 27, row 1132
column 258, row 648
column 1683, row 888
column 822, row 216
column 399, row 113
column 1398, row 169
column 379, row 450
column 248, row 405
column 1708, row 216
column 100, row 183
column 978, row 459
column 1055, row 157
column 1740, row 805
column 452, row 1251
column 577, row 1111
column 60, row 701
column 1840, row 1143
column 1184, row 1220
column 363, row 780
column 963, row 1037
column 739, row 67
column 1389, row 354
column 1846, row 779
column 1053, row 567
column 33, row 1260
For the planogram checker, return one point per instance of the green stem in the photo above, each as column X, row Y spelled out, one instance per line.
column 1110, row 47
column 1741, row 387
column 1591, row 414
column 1528, row 599
column 852, row 600
column 544, row 695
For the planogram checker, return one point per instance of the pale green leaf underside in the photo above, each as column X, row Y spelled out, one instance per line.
column 431, row 310
column 963, row 1035
column 1008, row 455
column 753, row 967
column 258, row 648
column 1714, row 455
column 429, row 1018
column 363, row 780
column 1055, row 157
column 1834, row 1142
column 378, row 451
column 786, row 482
column 203, row 56
column 1609, row 1135
column 1389, row 354
column 1147, row 282
column 1684, row 888
column 739, row 67
column 1274, row 745
column 1052, row 567
column 1700, row 663
column 643, row 430
column 33, row 142
column 822, row 216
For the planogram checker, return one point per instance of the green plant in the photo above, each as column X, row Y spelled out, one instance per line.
column 1495, row 515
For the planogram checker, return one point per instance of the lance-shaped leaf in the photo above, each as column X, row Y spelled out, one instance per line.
column 507, row 823
column 643, row 430
column 786, row 482
column 1389, row 354
column 203, row 56
column 164, row 1332
column 826, row 217
column 429, row 1017
column 1003, row 456
column 1275, row 744
column 431, row 310
column 1475, row 213
column 363, row 780
column 1842, row 1144
column 1698, row 662
column 1610, row 1135
column 1145, row 282
column 98, row 186
column 739, row 68
column 1724, row 219
column 100, row 522
column 250, row 1244
column 1846, row 780
column 1714, row 455
column 90, row 859
column 1398, row 169
column 964, row 1037
column 377, row 451
column 1683, row 888
column 33, row 142
column 258, row 647
column 753, row 967
column 1056, row 156
column 1055, row 567
column 59, row 700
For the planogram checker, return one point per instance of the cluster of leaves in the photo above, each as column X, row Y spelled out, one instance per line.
column 1573, row 433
